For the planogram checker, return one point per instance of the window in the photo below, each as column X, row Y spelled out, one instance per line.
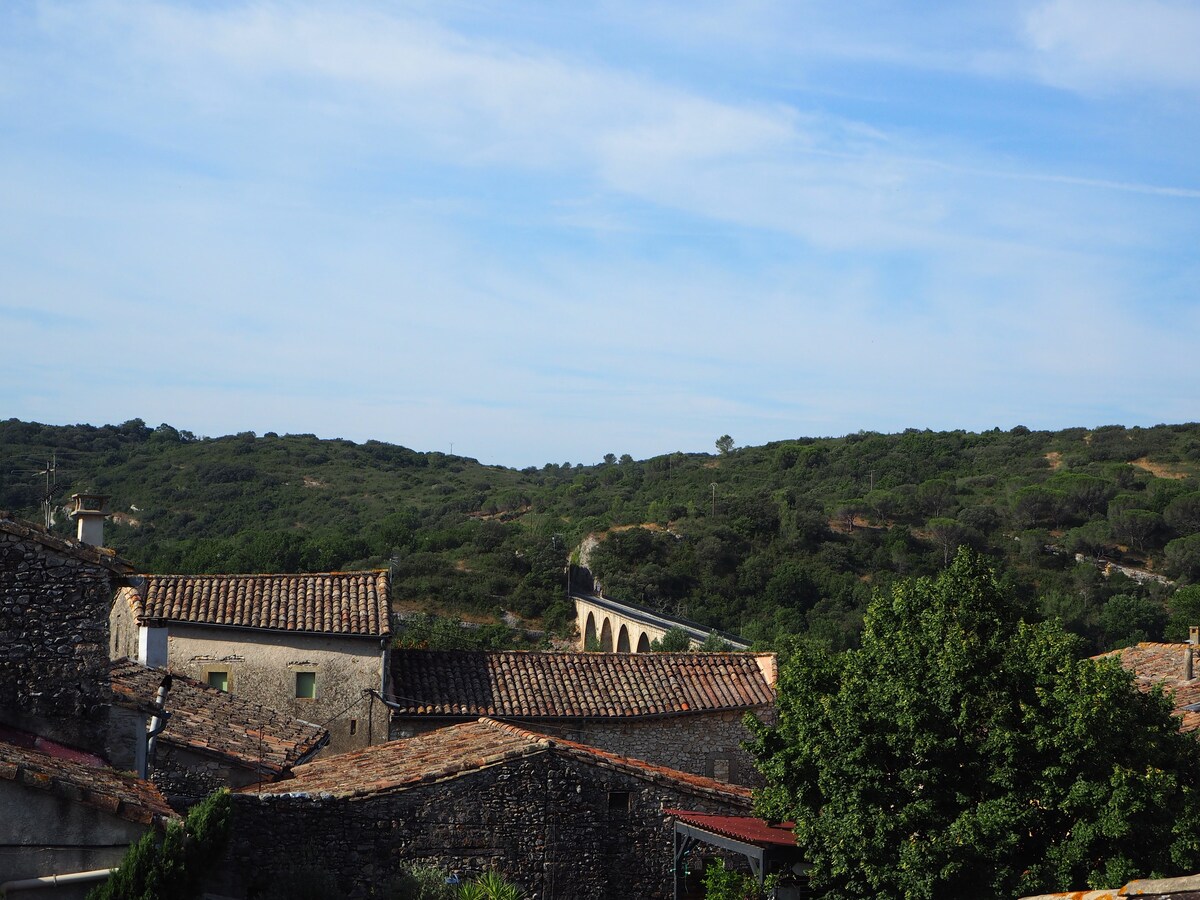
column 618, row 801
column 306, row 685
column 720, row 769
column 219, row 679
column 354, row 726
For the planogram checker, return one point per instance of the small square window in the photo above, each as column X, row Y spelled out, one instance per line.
column 618, row 801
column 218, row 680
column 306, row 685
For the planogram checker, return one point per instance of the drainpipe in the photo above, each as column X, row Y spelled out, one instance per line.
column 46, row 881
column 157, row 724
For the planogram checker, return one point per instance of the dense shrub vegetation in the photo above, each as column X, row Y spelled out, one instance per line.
column 788, row 538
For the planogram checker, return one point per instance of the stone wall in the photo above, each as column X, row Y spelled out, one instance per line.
column 704, row 743
column 701, row 743
column 123, row 628
column 54, row 609
column 561, row 828
column 186, row 777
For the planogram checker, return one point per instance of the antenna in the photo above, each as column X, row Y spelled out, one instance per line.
column 50, row 472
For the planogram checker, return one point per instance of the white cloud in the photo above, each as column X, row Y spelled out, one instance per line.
column 1107, row 44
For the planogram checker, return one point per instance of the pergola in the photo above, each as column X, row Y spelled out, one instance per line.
column 767, row 846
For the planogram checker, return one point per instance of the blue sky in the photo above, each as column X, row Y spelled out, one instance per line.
column 545, row 231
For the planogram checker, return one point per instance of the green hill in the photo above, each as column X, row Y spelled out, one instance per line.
column 787, row 538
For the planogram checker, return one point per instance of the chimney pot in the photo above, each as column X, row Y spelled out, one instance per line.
column 90, row 511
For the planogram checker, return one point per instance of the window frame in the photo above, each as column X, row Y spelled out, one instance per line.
column 310, row 674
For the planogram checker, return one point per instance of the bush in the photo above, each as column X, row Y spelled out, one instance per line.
column 172, row 869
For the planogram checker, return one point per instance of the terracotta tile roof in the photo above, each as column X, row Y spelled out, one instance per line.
column 1153, row 660
column 215, row 723
column 747, row 829
column 1157, row 664
column 574, row 685
column 344, row 603
column 460, row 749
column 106, row 789
column 1186, row 887
column 99, row 556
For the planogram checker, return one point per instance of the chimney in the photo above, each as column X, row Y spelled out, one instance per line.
column 1189, row 652
column 768, row 664
column 90, row 511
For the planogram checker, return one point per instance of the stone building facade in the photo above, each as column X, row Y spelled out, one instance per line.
column 312, row 646
column 683, row 710
column 564, row 821
column 55, row 597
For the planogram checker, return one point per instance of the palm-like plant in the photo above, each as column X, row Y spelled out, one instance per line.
column 490, row 886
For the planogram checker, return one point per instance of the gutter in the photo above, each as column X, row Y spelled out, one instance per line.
column 47, row 881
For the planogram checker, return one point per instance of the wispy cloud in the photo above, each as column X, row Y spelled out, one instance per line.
column 1114, row 44
column 552, row 235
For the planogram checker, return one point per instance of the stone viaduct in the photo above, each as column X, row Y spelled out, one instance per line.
column 617, row 627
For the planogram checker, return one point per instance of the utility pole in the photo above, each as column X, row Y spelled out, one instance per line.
column 714, row 499
column 51, row 485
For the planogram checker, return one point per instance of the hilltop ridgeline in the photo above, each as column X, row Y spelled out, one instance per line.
column 787, row 538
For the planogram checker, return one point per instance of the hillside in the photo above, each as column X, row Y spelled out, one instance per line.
column 787, row 538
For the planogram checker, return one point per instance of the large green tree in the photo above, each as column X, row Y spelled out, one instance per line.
column 963, row 752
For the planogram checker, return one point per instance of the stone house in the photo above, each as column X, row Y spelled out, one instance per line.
column 55, row 598
column 683, row 710
column 561, row 819
column 66, row 815
column 211, row 738
column 312, row 646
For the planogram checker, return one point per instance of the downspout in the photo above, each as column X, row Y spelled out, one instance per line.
column 157, row 724
column 45, row 881
column 384, row 679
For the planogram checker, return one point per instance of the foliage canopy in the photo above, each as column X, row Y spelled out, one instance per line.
column 963, row 752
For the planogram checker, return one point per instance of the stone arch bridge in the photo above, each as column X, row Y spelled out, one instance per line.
column 617, row 627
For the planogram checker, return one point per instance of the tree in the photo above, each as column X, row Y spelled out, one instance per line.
column 1127, row 619
column 725, row 444
column 1183, row 513
column 962, row 752
column 173, row 868
column 1183, row 558
column 948, row 534
column 1184, row 609
column 1135, row 527
column 674, row 640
